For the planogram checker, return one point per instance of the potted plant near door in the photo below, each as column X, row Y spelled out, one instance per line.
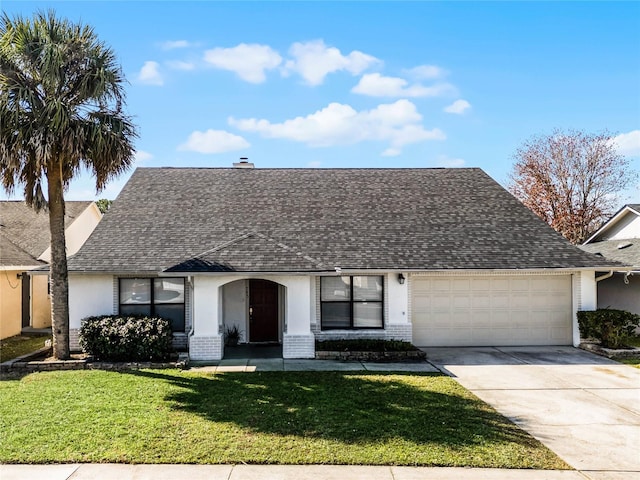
column 232, row 335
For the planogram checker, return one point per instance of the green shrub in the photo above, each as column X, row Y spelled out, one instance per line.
column 364, row 345
column 610, row 327
column 130, row 338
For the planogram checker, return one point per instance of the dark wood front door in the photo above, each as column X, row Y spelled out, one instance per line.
column 263, row 311
column 26, row 300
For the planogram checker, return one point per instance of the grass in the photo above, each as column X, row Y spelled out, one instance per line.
column 634, row 362
column 633, row 341
column 13, row 347
column 171, row 416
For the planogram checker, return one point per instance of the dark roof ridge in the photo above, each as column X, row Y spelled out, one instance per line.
column 385, row 169
column 244, row 236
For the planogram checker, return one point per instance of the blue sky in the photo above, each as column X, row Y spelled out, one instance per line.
column 365, row 84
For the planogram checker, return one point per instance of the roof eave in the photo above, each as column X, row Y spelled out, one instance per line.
column 609, row 223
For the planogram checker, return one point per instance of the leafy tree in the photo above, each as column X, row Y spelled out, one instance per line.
column 61, row 109
column 104, row 205
column 570, row 180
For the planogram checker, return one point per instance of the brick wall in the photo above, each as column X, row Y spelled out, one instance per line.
column 206, row 348
column 298, row 346
column 74, row 343
column 390, row 332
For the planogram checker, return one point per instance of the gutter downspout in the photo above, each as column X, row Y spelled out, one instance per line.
column 191, row 330
column 604, row 277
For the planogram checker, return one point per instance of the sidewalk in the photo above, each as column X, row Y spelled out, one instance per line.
column 273, row 472
column 282, row 365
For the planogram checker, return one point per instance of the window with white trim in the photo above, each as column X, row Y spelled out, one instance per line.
column 159, row 297
column 351, row 302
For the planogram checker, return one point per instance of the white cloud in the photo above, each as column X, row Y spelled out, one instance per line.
column 458, row 107
column 150, row 74
column 314, row 164
column 391, row 152
column 214, row 141
column 426, row 72
column 180, row 65
column 448, row 162
column 172, row 44
column 314, row 60
column 339, row 124
column 142, row 156
column 248, row 61
column 628, row 143
column 376, row 85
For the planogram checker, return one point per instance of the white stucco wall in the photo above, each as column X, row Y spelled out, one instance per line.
column 234, row 306
column 398, row 298
column 208, row 308
column 89, row 295
column 585, row 294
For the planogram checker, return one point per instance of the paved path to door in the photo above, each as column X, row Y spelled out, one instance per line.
column 584, row 407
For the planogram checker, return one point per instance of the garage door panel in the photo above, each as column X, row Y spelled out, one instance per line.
column 484, row 311
column 501, row 320
column 480, row 300
column 499, row 301
column 460, row 301
column 441, row 285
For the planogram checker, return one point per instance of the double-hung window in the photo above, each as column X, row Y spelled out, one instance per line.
column 351, row 302
column 159, row 297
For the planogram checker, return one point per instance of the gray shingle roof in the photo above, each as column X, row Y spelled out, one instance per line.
column 624, row 251
column 24, row 234
column 282, row 220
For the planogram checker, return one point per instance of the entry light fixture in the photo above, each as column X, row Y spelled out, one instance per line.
column 401, row 279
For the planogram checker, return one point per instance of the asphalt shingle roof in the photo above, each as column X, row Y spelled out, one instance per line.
column 283, row 220
column 626, row 251
column 25, row 234
column 623, row 251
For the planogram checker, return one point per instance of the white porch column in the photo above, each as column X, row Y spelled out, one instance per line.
column 206, row 343
column 297, row 340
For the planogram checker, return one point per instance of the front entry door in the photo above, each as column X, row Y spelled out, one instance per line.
column 263, row 311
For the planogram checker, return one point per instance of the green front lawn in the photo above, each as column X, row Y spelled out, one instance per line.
column 169, row 416
column 13, row 347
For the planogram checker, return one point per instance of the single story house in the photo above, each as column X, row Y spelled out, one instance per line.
column 24, row 246
column 439, row 257
column 619, row 239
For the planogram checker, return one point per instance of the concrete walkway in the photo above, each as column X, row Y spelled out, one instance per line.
column 281, row 365
column 583, row 407
column 270, row 472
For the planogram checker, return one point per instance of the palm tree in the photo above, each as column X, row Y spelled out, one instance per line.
column 61, row 110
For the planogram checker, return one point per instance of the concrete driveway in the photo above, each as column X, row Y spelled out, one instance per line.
column 584, row 407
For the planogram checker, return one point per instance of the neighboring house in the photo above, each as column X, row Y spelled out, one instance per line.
column 24, row 246
column 440, row 257
column 619, row 239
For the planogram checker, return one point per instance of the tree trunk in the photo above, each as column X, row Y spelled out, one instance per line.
column 58, row 265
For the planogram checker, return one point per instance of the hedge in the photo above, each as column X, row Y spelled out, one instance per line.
column 364, row 345
column 610, row 327
column 126, row 338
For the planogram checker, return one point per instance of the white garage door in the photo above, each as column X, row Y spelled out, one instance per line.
column 485, row 311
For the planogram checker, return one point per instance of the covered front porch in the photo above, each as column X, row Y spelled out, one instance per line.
column 265, row 310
